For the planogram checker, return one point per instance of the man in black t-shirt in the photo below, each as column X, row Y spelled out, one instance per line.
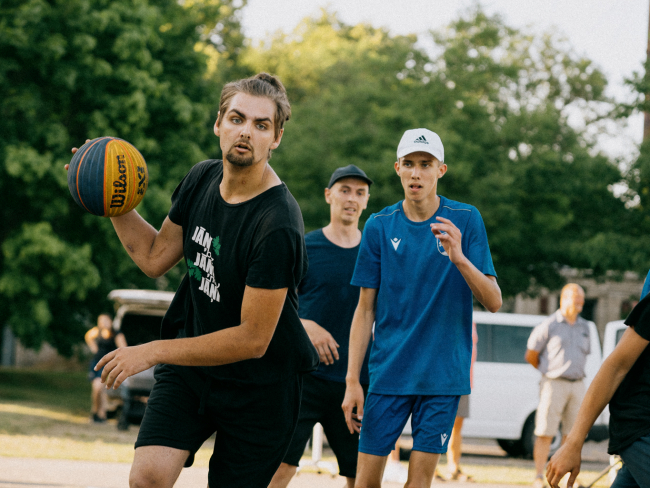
column 233, row 349
column 327, row 304
column 623, row 381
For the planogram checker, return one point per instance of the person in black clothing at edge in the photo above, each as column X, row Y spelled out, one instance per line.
column 327, row 304
column 233, row 350
column 623, row 381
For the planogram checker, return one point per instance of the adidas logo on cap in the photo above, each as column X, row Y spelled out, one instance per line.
column 421, row 140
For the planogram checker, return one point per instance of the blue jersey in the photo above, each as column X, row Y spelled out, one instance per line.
column 646, row 286
column 423, row 321
column 326, row 296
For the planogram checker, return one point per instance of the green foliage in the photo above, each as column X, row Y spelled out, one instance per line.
column 77, row 69
column 150, row 71
column 499, row 99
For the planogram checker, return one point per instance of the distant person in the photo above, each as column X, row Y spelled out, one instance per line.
column 327, row 302
column 419, row 264
column 558, row 348
column 454, row 451
column 623, row 381
column 101, row 340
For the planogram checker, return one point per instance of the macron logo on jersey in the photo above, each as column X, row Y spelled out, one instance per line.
column 443, row 438
column 395, row 242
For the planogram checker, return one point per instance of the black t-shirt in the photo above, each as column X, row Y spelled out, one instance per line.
column 327, row 297
column 630, row 406
column 258, row 243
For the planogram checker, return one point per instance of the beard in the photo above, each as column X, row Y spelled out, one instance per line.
column 240, row 160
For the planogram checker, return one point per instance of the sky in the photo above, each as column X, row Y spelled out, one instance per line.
column 612, row 34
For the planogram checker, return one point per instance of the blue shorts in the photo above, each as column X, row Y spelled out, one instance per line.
column 384, row 418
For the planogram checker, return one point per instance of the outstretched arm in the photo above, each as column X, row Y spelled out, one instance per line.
column 600, row 392
column 484, row 287
column 260, row 313
column 360, row 332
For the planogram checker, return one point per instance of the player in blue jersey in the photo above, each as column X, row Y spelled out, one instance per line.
column 419, row 264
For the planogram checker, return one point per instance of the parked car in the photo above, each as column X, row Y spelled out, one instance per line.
column 138, row 316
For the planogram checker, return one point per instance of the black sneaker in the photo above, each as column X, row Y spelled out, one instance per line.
column 97, row 419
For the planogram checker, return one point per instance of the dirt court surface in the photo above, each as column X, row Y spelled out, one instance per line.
column 54, row 473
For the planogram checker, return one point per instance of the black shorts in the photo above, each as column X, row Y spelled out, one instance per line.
column 254, row 424
column 321, row 402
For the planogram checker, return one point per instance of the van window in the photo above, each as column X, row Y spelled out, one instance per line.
column 502, row 343
column 619, row 334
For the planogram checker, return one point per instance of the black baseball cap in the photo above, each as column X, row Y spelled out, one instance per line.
column 349, row 171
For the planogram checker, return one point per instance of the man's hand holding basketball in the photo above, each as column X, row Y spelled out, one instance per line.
column 74, row 150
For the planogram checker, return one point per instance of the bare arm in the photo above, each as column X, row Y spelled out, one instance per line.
column 90, row 337
column 322, row 340
column 260, row 313
column 120, row 340
column 532, row 357
column 600, row 392
column 484, row 287
column 360, row 333
column 155, row 252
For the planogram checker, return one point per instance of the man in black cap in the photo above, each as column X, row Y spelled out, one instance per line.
column 327, row 304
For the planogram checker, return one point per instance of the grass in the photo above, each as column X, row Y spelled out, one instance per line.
column 44, row 414
column 65, row 391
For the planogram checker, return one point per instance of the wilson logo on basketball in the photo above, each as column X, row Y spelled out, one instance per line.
column 119, row 185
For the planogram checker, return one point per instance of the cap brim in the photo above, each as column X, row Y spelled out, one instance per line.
column 405, row 151
column 359, row 177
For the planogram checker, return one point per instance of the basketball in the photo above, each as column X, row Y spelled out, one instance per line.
column 108, row 177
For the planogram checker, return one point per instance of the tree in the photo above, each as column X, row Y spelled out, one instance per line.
column 500, row 99
column 77, row 69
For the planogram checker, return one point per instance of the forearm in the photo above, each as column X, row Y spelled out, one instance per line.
column 152, row 253
column 360, row 334
column 485, row 288
column 310, row 326
column 217, row 348
column 600, row 392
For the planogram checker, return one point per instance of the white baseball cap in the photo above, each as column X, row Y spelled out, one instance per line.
column 424, row 140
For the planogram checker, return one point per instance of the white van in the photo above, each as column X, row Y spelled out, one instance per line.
column 505, row 390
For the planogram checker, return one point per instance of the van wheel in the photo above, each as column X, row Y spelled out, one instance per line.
column 513, row 448
column 528, row 438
